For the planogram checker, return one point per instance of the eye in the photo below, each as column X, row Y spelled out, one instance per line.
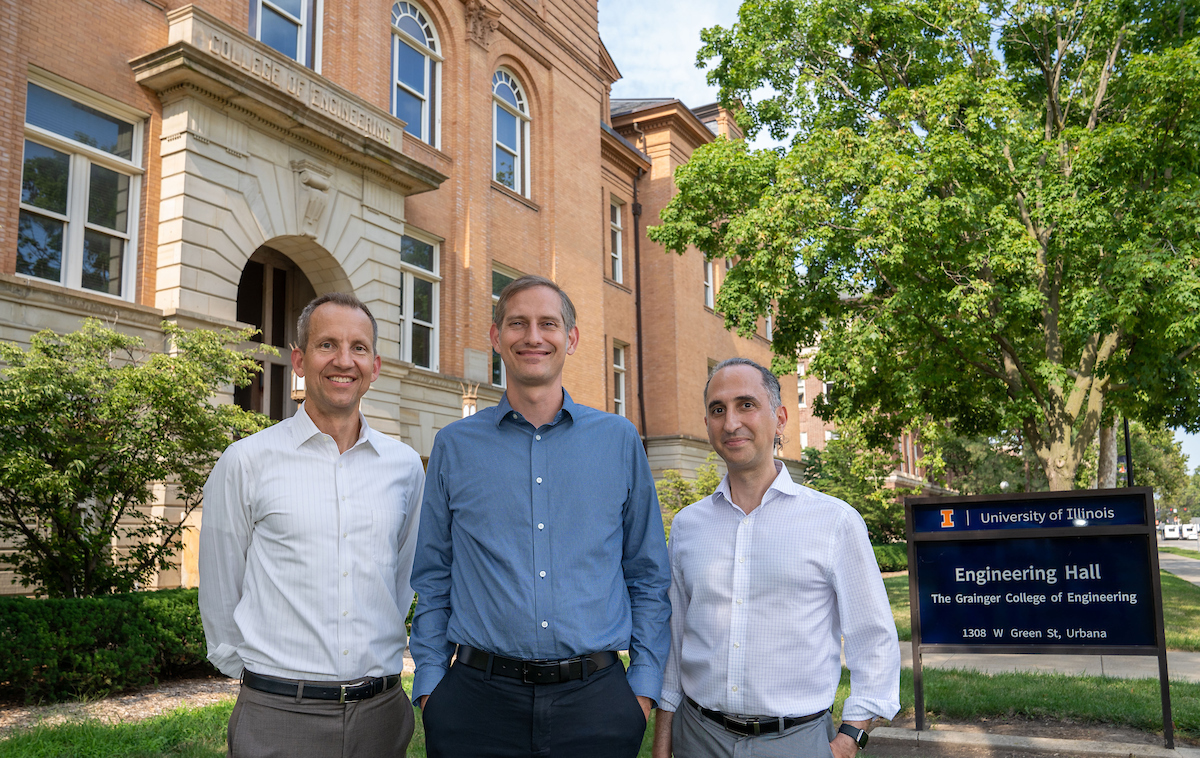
column 326, row 345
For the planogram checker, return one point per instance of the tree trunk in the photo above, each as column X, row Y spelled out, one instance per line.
column 1108, row 456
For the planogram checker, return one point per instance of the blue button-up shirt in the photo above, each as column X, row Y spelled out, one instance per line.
column 541, row 543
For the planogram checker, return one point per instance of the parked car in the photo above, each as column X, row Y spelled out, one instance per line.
column 1171, row 531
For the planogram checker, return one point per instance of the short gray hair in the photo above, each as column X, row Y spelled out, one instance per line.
column 530, row 281
column 337, row 298
column 769, row 380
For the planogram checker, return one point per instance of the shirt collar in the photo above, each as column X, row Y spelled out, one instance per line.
column 303, row 429
column 783, row 484
column 568, row 408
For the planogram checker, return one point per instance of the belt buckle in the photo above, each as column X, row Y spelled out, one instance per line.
column 342, row 698
column 525, row 669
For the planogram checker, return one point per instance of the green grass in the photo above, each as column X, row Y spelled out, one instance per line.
column 1186, row 553
column 1181, row 610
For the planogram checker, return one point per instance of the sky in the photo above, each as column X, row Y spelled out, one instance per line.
column 654, row 46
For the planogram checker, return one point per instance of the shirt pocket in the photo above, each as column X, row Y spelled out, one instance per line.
column 386, row 524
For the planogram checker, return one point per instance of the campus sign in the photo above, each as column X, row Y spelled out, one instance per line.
column 1059, row 573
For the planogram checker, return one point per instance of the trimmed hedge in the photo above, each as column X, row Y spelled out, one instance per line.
column 84, row 647
column 892, row 556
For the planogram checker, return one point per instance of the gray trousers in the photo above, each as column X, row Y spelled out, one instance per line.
column 276, row 726
column 694, row 736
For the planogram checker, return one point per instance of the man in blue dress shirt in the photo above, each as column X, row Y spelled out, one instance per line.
column 540, row 554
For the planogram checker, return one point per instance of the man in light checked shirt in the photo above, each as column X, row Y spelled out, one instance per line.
column 767, row 577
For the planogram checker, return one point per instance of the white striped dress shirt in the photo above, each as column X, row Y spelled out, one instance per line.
column 306, row 553
column 760, row 603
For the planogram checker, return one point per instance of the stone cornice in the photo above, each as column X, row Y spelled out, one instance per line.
column 673, row 115
column 616, row 152
column 208, row 55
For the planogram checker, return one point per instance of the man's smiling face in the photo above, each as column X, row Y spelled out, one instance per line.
column 338, row 364
column 741, row 424
column 533, row 341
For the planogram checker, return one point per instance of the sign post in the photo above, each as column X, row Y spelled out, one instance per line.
column 1062, row 573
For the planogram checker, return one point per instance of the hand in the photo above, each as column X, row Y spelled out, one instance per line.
column 843, row 747
column 646, row 704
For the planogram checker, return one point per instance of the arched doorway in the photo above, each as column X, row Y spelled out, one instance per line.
column 271, row 294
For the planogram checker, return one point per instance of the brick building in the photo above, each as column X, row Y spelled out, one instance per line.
column 219, row 163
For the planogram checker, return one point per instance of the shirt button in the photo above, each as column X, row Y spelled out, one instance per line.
column 746, row 520
column 542, row 575
column 347, row 573
column 345, row 612
column 741, row 559
column 539, row 480
column 737, row 644
column 345, row 534
column 541, row 526
column 347, row 652
column 537, row 437
column 343, row 497
column 545, row 624
column 739, row 601
column 735, row 688
column 515, row 415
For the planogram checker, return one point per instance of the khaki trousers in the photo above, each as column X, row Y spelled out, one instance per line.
column 276, row 726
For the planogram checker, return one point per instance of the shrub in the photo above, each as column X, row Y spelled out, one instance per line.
column 59, row 649
column 892, row 556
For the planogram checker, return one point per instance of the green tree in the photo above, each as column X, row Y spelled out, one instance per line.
column 89, row 422
column 987, row 213
column 676, row 493
column 852, row 470
column 983, row 465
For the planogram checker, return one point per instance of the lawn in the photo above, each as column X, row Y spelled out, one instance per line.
column 1181, row 610
column 1185, row 552
column 200, row 732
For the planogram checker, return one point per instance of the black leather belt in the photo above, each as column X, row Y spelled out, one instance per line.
column 756, row 725
column 536, row 672
column 366, row 687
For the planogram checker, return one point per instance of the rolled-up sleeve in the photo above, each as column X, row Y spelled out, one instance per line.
column 225, row 533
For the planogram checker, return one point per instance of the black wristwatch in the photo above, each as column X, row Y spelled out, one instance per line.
column 858, row 735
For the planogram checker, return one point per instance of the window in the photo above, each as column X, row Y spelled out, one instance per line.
column 803, row 439
column 289, row 26
column 618, row 367
column 769, row 326
column 510, row 133
column 419, row 302
column 830, row 436
column 500, row 280
column 415, row 68
column 80, row 181
column 614, row 234
column 827, row 391
column 708, row 284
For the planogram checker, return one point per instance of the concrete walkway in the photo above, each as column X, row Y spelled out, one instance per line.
column 1184, row 568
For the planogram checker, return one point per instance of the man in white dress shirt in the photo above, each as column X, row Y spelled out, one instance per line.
column 767, row 576
column 306, row 550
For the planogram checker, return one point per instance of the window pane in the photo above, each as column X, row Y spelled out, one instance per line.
column 422, row 300
column 497, row 369
column 614, row 214
column 500, row 281
column 408, row 109
column 279, row 33
column 619, row 391
column 505, row 93
column 47, row 174
column 422, row 346
column 294, row 7
column 416, row 252
column 108, row 198
column 76, row 121
column 410, row 67
column 410, row 25
column 39, row 246
column 506, row 168
column 102, row 262
column 506, row 128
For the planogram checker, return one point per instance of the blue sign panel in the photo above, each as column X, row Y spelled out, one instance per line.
column 1092, row 590
column 1028, row 514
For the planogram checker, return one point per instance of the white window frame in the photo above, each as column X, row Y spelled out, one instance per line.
column 82, row 157
column 769, row 326
column 409, row 273
column 514, row 274
column 521, row 183
column 615, row 236
column 709, row 301
column 311, row 9
column 803, row 439
column 431, row 114
column 801, row 389
column 619, row 365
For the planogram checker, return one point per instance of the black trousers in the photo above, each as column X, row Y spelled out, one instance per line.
column 473, row 715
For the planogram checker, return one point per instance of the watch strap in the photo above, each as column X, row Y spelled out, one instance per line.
column 858, row 735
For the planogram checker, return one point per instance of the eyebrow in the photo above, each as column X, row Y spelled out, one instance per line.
column 738, row 399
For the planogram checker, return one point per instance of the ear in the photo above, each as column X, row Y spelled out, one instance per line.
column 298, row 361
column 494, row 336
column 572, row 340
column 375, row 370
column 780, row 418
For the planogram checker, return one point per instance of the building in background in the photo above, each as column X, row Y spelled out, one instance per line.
column 220, row 163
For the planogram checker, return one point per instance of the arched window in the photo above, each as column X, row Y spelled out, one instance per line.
column 415, row 69
column 510, row 133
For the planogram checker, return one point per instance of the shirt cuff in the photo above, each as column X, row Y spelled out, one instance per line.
column 865, row 709
column 645, row 681
column 225, row 657
column 425, row 680
column 670, row 701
